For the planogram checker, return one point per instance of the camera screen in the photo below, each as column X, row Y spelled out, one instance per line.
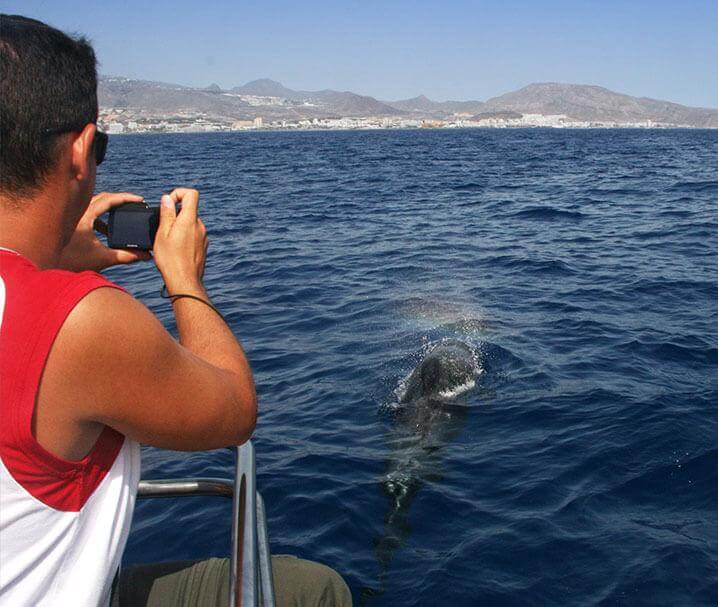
column 134, row 228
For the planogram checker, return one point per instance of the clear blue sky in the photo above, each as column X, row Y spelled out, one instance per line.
column 391, row 50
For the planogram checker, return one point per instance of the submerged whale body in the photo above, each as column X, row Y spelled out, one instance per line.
column 426, row 421
column 447, row 367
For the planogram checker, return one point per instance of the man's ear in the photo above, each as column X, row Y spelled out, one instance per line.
column 83, row 153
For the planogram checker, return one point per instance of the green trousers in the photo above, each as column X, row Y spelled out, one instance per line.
column 297, row 583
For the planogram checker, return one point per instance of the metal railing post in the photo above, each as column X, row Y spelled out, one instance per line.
column 266, row 577
column 250, row 558
column 244, row 573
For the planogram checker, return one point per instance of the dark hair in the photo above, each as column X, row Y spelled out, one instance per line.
column 48, row 81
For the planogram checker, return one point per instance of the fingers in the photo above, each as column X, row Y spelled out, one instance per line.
column 106, row 200
column 181, row 244
column 123, row 256
column 190, row 201
column 168, row 215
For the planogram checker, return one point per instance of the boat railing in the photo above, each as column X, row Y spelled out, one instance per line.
column 251, row 582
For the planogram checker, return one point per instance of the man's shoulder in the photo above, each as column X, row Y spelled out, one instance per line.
column 107, row 342
column 41, row 288
column 110, row 328
column 65, row 280
column 36, row 304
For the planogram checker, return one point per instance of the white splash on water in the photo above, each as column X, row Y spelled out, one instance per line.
column 461, row 389
column 465, row 319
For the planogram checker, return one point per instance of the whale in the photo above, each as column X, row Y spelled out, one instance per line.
column 426, row 418
column 448, row 367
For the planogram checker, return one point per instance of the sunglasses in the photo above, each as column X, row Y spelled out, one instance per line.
column 99, row 144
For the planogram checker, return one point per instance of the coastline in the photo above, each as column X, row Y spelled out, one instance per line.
column 406, row 129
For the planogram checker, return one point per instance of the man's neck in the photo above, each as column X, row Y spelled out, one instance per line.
column 33, row 226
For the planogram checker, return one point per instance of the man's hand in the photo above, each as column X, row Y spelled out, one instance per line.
column 180, row 248
column 85, row 251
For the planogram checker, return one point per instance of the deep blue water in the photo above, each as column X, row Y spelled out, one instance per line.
column 581, row 265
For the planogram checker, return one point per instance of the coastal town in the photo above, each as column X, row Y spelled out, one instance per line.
column 142, row 106
column 124, row 120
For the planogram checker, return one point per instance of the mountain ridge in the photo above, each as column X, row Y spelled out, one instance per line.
column 274, row 101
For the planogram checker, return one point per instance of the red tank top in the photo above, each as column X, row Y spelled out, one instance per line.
column 63, row 524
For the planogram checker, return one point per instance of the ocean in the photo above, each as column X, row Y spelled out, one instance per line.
column 581, row 267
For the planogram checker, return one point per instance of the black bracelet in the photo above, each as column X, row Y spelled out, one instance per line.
column 173, row 298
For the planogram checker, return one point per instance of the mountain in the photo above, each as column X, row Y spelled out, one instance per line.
column 273, row 101
column 422, row 104
column 345, row 103
column 156, row 98
column 266, row 88
column 416, row 104
column 595, row 103
column 576, row 101
column 342, row 103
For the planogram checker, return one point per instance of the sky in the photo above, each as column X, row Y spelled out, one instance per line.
column 395, row 50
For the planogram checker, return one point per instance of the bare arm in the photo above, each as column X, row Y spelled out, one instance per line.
column 114, row 364
column 180, row 252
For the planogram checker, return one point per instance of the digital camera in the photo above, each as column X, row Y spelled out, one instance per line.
column 133, row 226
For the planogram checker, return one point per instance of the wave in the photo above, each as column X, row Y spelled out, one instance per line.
column 548, row 214
column 709, row 186
column 663, row 285
column 617, row 192
column 469, row 187
column 532, row 266
column 670, row 352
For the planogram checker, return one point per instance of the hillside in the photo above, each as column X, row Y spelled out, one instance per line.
column 424, row 105
column 595, row 103
column 273, row 101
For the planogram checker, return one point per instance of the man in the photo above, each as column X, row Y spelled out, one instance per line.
column 86, row 371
